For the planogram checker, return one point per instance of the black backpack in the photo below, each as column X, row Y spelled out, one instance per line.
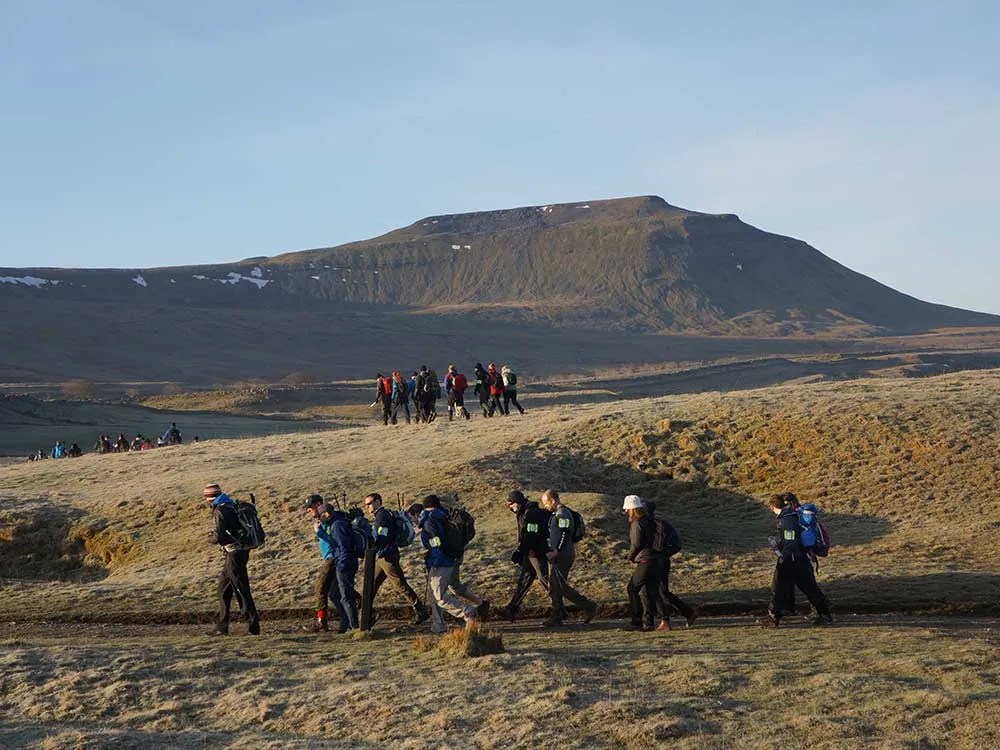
column 666, row 540
column 511, row 379
column 459, row 530
column 579, row 527
column 250, row 532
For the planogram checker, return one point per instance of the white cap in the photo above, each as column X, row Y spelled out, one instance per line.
column 632, row 502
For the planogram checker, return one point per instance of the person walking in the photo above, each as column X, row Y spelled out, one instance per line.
column 455, row 384
column 530, row 553
column 482, row 389
column 669, row 598
column 440, row 567
column 336, row 576
column 510, row 390
column 385, row 532
column 794, row 566
column 383, row 396
column 644, row 598
column 496, row 390
column 561, row 555
column 234, row 579
column 400, row 396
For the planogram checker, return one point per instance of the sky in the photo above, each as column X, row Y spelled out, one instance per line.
column 141, row 133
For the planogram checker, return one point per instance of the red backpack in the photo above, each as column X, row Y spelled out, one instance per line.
column 459, row 383
column 386, row 386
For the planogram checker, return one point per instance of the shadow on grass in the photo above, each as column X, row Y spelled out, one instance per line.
column 36, row 544
column 711, row 520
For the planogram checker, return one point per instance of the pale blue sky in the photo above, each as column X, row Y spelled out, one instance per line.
column 142, row 133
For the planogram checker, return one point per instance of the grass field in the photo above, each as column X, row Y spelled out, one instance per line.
column 905, row 470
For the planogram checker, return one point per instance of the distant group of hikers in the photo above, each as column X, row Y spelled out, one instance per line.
column 496, row 389
column 547, row 534
column 172, row 436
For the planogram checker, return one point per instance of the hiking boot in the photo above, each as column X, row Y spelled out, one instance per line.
column 589, row 612
column 552, row 623
column 664, row 625
column 505, row 613
column 821, row 620
column 218, row 631
column 483, row 610
column 420, row 613
column 254, row 628
column 318, row 626
column 773, row 619
column 690, row 618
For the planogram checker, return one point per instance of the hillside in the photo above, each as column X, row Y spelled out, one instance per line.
column 592, row 279
column 901, row 468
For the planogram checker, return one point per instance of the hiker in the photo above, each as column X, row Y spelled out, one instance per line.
column 59, row 449
column 335, row 580
column 440, row 567
column 672, row 601
column 399, row 396
column 561, row 554
column 644, row 586
column 428, row 390
column 103, row 444
column 509, row 390
column 411, row 386
column 456, row 586
column 121, row 444
column 530, row 554
column 173, row 435
column 385, row 533
column 455, row 384
column 496, row 390
column 234, row 579
column 383, row 396
column 794, row 564
column 74, row 451
column 482, row 389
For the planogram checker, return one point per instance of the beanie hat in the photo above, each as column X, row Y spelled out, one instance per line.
column 516, row 497
column 212, row 490
column 313, row 500
column 632, row 502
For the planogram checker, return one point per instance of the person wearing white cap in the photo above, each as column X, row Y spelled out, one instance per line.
column 644, row 587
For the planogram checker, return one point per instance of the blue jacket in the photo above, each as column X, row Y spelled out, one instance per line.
column 432, row 525
column 336, row 541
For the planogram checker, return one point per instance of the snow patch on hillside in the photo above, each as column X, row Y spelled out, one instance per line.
column 140, row 281
column 235, row 278
column 28, row 281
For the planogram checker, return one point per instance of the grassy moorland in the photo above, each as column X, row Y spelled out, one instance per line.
column 904, row 469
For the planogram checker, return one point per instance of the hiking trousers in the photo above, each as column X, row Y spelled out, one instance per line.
column 496, row 405
column 559, row 587
column 235, row 581
column 797, row 571
column 438, row 580
column 459, row 588
column 670, row 600
column 533, row 567
column 510, row 397
column 389, row 568
column 337, row 588
column 644, row 592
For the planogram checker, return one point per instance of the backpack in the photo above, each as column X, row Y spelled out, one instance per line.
column 511, row 379
column 812, row 534
column 385, row 386
column 579, row 527
column 459, row 530
column 405, row 533
column 432, row 385
column 251, row 533
column 359, row 541
column 665, row 538
column 459, row 383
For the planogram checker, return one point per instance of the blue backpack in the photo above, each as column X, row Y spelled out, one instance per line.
column 812, row 535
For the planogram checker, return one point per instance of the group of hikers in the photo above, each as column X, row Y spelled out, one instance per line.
column 496, row 389
column 172, row 436
column 547, row 534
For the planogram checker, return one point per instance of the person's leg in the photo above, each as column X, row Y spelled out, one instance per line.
column 805, row 579
column 671, row 600
column 393, row 571
column 379, row 578
column 506, row 402
column 324, row 579
column 561, row 571
column 783, row 578
column 440, row 580
column 435, row 586
column 460, row 588
column 348, row 605
column 525, row 577
column 513, row 400
column 247, row 607
column 634, row 604
column 226, row 589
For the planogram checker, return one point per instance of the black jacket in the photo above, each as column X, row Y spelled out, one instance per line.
column 385, row 529
column 227, row 525
column 533, row 529
column 640, row 534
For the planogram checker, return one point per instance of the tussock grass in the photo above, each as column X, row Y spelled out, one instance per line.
column 471, row 641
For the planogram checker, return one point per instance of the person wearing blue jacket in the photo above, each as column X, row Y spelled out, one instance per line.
column 440, row 567
column 335, row 580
